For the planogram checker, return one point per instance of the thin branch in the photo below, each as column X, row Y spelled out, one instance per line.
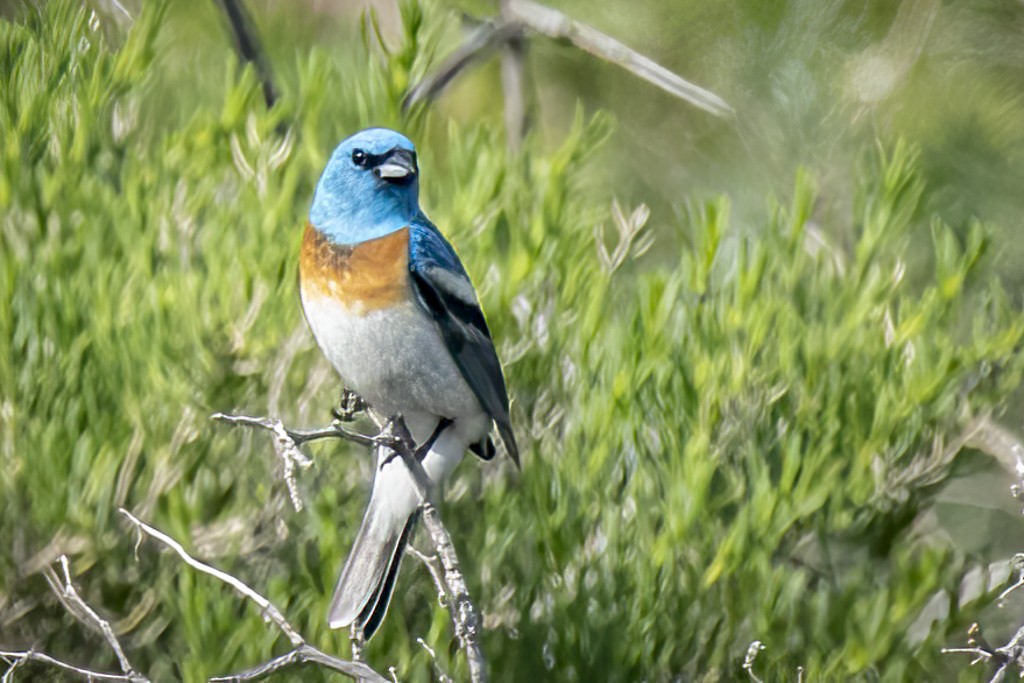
column 302, row 651
column 513, row 83
column 247, row 45
column 395, row 436
column 17, row 659
column 79, row 609
column 287, row 442
column 296, row 436
column 484, row 39
column 465, row 616
column 433, row 565
column 555, row 24
column 267, row 609
column 87, row 615
column 303, row 654
column 507, row 31
column 748, row 661
column 1018, row 563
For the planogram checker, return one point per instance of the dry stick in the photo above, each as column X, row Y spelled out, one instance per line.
column 79, row 609
column 478, row 45
column 555, row 24
column 748, row 661
column 17, row 659
column 247, row 45
column 87, row 615
column 395, row 436
column 302, row 651
column 989, row 437
column 513, row 84
column 520, row 14
column 287, row 442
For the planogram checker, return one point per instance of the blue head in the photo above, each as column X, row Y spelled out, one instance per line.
column 368, row 189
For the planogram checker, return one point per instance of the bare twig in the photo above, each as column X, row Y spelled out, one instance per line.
column 464, row 614
column 1001, row 657
column 78, row 608
column 507, row 32
column 287, row 442
column 433, row 565
column 87, row 615
column 395, row 436
column 302, row 651
column 18, row 659
column 267, row 609
column 300, row 655
column 997, row 441
column 555, row 24
column 513, row 83
column 479, row 44
column 748, row 661
column 247, row 45
column 1018, row 563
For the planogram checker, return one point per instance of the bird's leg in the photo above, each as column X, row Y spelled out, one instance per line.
column 396, row 436
column 421, row 451
column 350, row 405
column 356, row 640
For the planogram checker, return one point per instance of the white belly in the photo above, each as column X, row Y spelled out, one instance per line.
column 396, row 360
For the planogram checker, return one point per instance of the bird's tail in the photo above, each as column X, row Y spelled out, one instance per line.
column 368, row 577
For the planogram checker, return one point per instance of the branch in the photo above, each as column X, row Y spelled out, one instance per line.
column 555, row 24
column 79, row 609
column 517, row 15
column 287, row 442
column 87, row 615
column 395, row 436
column 464, row 614
column 997, row 441
column 302, row 651
column 17, row 659
column 247, row 45
column 748, row 661
column 1001, row 657
column 484, row 39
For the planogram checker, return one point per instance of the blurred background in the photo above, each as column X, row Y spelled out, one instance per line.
column 780, row 403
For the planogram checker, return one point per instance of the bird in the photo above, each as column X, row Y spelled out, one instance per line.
column 393, row 310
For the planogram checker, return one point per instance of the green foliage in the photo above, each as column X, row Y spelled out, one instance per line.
column 731, row 438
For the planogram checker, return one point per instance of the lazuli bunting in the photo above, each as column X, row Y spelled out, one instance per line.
column 395, row 313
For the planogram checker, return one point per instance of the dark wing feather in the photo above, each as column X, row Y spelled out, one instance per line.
column 444, row 290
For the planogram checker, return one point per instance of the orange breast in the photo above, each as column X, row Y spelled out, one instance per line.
column 366, row 276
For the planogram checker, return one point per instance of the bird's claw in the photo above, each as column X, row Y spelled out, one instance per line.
column 351, row 404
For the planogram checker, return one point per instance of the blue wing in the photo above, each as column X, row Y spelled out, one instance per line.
column 445, row 292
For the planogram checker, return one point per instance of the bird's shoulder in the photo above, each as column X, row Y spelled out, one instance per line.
column 433, row 261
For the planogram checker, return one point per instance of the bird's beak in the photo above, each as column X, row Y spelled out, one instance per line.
column 399, row 165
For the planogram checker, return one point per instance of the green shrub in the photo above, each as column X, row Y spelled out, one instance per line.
column 728, row 438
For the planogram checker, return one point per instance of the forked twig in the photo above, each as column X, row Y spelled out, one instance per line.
column 555, row 24
column 247, row 45
column 301, row 652
column 395, row 436
column 993, row 439
column 507, row 31
column 73, row 602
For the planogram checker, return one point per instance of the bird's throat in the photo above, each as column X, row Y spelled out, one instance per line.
column 363, row 277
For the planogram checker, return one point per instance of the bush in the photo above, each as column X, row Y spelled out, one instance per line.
column 731, row 437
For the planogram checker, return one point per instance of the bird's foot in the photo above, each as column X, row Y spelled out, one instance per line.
column 351, row 404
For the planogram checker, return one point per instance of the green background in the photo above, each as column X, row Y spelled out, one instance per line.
column 746, row 425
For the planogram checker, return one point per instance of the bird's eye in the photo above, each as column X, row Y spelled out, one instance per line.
column 359, row 157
